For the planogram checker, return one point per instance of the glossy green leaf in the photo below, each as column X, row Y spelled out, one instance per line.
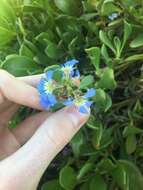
column 86, row 81
column 128, row 176
column 97, row 182
column 132, row 130
column 86, row 168
column 19, row 65
column 52, row 185
column 132, row 58
column 25, row 51
column 131, row 144
column 107, row 80
column 109, row 7
column 106, row 56
column 94, row 55
column 6, row 36
column 105, row 39
column 69, row 7
column 7, row 13
column 137, row 42
column 76, row 143
column 127, row 32
column 97, row 135
column 67, row 178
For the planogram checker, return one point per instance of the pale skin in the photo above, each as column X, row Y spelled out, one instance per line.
column 26, row 152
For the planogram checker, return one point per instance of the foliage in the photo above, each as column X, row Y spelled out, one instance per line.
column 106, row 37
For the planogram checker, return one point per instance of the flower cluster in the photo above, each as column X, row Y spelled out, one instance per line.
column 64, row 90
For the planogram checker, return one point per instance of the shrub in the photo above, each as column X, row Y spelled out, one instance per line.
column 106, row 36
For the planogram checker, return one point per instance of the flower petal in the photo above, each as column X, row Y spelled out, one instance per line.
column 68, row 102
column 71, row 63
column 83, row 109
column 44, row 102
column 49, row 74
column 88, row 103
column 41, row 86
column 52, row 99
column 90, row 93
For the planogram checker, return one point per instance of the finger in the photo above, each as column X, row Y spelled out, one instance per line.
column 31, row 80
column 5, row 105
column 32, row 159
column 27, row 128
column 18, row 91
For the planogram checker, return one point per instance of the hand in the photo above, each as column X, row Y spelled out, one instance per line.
column 26, row 151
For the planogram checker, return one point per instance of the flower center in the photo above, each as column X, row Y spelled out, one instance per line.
column 67, row 70
column 49, row 87
column 80, row 102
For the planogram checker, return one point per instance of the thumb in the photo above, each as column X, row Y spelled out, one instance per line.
column 28, row 163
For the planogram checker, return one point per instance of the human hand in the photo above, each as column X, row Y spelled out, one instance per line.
column 26, row 151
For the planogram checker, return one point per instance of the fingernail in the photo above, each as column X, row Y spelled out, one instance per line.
column 77, row 118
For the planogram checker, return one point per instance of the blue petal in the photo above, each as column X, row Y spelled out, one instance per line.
column 52, row 99
column 90, row 93
column 44, row 102
column 71, row 63
column 88, row 103
column 49, row 74
column 68, row 102
column 41, row 86
column 77, row 73
column 83, row 109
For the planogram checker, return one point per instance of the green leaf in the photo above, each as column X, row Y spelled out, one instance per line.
column 105, row 39
column 128, row 176
column 119, row 175
column 127, row 32
column 6, row 36
column 105, row 55
column 117, row 44
column 25, row 51
column 108, row 8
column 85, row 186
column 7, row 13
column 67, row 178
column 137, row 42
column 94, row 55
column 69, row 7
column 86, row 81
column 86, row 168
column 52, row 50
column 133, row 58
column 97, row 183
column 107, row 80
column 106, row 165
column 108, row 103
column 97, row 135
column 19, row 65
column 131, row 144
column 52, row 185
column 77, row 143
column 131, row 130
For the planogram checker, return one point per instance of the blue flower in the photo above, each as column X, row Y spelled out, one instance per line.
column 113, row 16
column 90, row 93
column 68, row 67
column 46, row 87
column 82, row 103
column 75, row 73
column 47, row 101
column 46, row 84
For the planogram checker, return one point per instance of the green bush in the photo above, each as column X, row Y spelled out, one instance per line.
column 106, row 36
